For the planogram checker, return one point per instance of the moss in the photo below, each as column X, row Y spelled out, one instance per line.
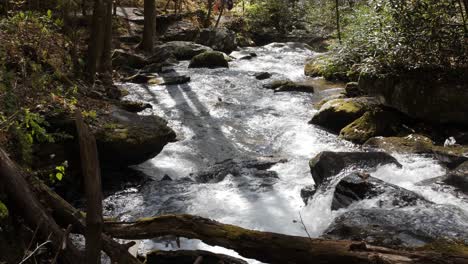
column 209, row 59
column 371, row 124
column 446, row 247
column 3, row 211
column 410, row 144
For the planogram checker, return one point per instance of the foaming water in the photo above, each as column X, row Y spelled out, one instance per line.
column 226, row 114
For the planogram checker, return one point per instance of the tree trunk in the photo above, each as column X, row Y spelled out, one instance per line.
column 271, row 247
column 92, row 180
column 27, row 205
column 208, row 15
column 220, row 13
column 149, row 28
column 96, row 40
column 337, row 9
column 106, row 56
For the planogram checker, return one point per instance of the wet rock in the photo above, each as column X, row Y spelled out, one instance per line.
column 183, row 50
column 257, row 168
column 189, row 257
column 359, row 186
column 131, row 39
column 134, row 106
column 166, row 178
column 352, row 90
column 125, row 138
column 262, row 75
column 307, row 193
column 452, row 156
column 412, row 143
column 372, row 124
column 403, row 227
column 338, row 113
column 289, row 86
column 327, row 99
column 161, row 56
column 327, row 164
column 124, row 58
column 220, row 39
column 174, row 79
column 209, row 59
column 141, row 78
column 458, row 177
column 181, row 31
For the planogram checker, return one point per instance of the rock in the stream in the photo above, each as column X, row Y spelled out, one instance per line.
column 329, row 98
column 221, row 39
column 125, row 138
column 189, row 257
column 171, row 79
column 359, row 186
column 257, row 168
column 289, row 86
column 307, row 193
column 338, row 113
column 209, row 59
column 452, row 156
column 181, row 31
column 401, row 227
column 134, row 106
column 352, row 90
column 183, row 50
column 412, row 143
column 124, row 58
column 371, row 124
column 262, row 75
column 327, row 164
column 458, row 177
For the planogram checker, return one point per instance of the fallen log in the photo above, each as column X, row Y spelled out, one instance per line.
column 271, row 247
column 27, row 205
column 66, row 214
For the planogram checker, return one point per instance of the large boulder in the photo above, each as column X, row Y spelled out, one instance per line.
column 209, row 59
column 401, row 227
column 359, row 186
column 221, row 39
column 372, row 124
column 338, row 113
column 289, row 86
column 181, row 31
column 124, row 138
column 412, row 143
column 121, row 58
column 423, row 94
column 452, row 155
column 327, row 164
column 182, row 50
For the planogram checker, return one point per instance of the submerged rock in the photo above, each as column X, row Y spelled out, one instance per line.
column 359, row 186
column 134, row 106
column 262, row 75
column 171, row 79
column 412, row 143
column 256, row 168
column 189, row 257
column 372, row 124
column 403, row 227
column 289, row 86
column 327, row 164
column 209, row 59
column 338, row 113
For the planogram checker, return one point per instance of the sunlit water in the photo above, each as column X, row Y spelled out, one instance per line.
column 226, row 113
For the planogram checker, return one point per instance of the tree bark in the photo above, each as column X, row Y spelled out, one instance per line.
column 271, row 247
column 207, row 21
column 96, row 40
column 92, row 180
column 28, row 206
column 220, row 13
column 338, row 28
column 106, row 56
column 149, row 28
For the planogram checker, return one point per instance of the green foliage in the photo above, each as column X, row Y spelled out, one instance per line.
column 383, row 36
column 59, row 172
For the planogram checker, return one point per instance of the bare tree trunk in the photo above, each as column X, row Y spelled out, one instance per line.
column 220, row 13
column 208, row 15
column 27, row 205
column 271, row 247
column 92, row 180
column 96, row 40
column 149, row 29
column 337, row 9
column 106, row 60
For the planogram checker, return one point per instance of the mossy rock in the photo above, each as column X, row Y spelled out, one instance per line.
column 328, row 99
column 289, row 86
column 452, row 156
column 371, row 124
column 412, row 143
column 314, row 69
column 338, row 113
column 209, row 59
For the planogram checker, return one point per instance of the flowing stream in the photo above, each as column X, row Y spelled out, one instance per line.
column 226, row 114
